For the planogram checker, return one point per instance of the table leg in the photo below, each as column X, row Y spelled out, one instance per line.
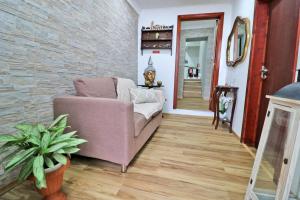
column 214, row 105
column 233, row 109
column 218, row 109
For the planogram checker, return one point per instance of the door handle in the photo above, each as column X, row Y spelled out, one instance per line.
column 264, row 73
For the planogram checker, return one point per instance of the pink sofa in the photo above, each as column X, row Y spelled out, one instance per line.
column 113, row 131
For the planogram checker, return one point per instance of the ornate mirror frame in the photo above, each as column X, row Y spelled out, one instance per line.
column 246, row 22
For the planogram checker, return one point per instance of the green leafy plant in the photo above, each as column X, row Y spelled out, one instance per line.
column 37, row 147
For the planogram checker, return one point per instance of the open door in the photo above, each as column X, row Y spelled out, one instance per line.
column 272, row 62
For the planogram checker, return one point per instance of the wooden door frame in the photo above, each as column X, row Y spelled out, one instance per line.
column 295, row 62
column 257, row 59
column 215, row 75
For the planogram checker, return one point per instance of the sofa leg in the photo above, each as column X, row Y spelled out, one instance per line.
column 123, row 168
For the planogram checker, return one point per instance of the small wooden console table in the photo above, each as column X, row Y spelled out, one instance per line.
column 216, row 100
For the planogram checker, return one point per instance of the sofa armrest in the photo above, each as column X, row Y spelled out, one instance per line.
column 107, row 125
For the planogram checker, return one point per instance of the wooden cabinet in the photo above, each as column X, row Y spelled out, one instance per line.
column 276, row 174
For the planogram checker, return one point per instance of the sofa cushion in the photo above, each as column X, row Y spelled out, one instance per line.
column 139, row 123
column 139, row 95
column 103, row 87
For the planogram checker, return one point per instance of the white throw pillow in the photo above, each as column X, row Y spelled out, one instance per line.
column 123, row 87
column 139, row 95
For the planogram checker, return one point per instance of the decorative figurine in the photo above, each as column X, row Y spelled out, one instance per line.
column 152, row 25
column 159, row 83
column 149, row 73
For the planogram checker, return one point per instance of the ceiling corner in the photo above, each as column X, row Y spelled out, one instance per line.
column 135, row 5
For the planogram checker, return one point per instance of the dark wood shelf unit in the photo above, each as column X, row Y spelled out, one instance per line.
column 157, row 48
column 157, row 39
column 149, row 30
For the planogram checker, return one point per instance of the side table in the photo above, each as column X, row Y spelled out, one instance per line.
column 149, row 87
column 216, row 100
column 153, row 87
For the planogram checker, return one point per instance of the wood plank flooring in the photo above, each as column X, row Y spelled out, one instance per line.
column 192, row 88
column 192, row 104
column 186, row 159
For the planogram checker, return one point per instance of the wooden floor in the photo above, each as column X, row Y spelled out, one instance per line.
column 192, row 104
column 185, row 160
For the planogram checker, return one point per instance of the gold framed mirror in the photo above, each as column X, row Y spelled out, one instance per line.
column 238, row 41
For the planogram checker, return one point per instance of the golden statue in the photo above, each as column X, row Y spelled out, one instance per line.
column 149, row 74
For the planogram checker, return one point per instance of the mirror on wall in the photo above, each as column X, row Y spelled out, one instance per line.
column 238, row 42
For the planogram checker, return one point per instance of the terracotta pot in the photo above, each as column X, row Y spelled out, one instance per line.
column 54, row 180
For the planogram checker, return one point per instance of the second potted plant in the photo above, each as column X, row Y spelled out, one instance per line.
column 42, row 153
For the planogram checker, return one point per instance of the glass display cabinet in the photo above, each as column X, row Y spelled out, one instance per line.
column 276, row 170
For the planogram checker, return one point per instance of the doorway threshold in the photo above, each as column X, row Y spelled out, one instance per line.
column 192, row 112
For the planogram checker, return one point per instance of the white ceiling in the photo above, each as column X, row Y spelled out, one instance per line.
column 149, row 4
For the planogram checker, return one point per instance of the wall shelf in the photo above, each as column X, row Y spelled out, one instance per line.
column 157, row 48
column 157, row 39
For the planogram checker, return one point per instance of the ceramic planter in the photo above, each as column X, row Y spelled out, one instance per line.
column 54, row 180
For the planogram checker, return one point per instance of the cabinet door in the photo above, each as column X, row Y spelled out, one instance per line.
column 294, row 191
column 269, row 172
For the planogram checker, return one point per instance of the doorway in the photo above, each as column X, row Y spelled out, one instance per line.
column 196, row 64
column 272, row 61
column 197, row 60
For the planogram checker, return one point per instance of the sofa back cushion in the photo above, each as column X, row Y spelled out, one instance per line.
column 103, row 87
column 123, row 88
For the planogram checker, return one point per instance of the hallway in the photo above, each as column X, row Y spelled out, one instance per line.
column 185, row 160
column 193, row 103
column 192, row 96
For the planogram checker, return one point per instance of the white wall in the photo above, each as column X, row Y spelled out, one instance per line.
column 192, row 55
column 211, row 23
column 164, row 62
column 238, row 75
column 202, row 56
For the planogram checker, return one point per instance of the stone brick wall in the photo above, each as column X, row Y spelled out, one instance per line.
column 45, row 44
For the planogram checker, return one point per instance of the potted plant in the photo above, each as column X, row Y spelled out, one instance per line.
column 42, row 154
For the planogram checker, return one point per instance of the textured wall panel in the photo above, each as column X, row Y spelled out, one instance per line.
column 45, row 44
